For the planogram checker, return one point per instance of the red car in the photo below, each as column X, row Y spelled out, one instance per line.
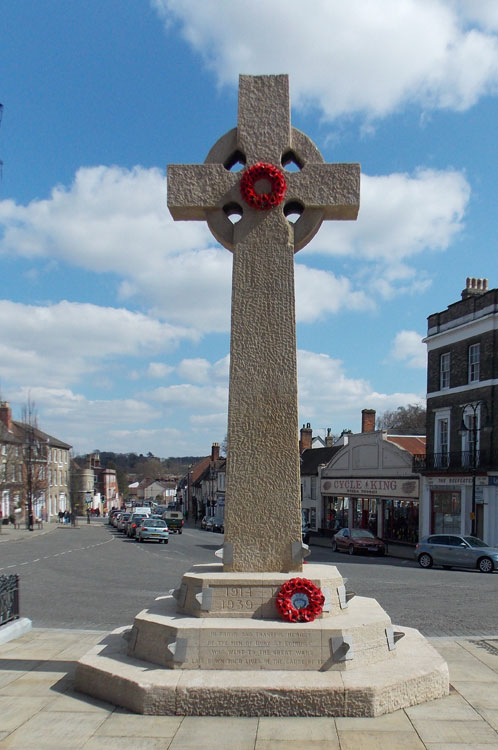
column 357, row 540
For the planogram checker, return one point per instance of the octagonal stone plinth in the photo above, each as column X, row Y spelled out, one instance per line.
column 207, row 592
column 360, row 635
column 415, row 674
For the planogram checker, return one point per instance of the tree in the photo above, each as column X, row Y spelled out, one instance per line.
column 34, row 460
column 405, row 420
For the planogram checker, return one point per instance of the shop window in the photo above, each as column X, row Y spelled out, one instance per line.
column 401, row 521
column 446, row 512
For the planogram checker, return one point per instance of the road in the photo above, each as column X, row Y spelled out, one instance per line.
column 94, row 578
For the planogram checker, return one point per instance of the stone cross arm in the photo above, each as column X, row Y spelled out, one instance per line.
column 196, row 189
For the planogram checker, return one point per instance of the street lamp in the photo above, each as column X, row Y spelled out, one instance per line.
column 473, row 409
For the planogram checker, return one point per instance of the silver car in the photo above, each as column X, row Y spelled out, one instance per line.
column 152, row 530
column 455, row 551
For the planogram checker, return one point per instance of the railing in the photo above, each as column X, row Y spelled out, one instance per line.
column 9, row 598
column 456, row 461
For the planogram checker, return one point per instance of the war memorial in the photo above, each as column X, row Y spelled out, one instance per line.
column 259, row 633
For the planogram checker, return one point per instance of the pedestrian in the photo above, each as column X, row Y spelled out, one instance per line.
column 61, row 515
column 66, row 516
column 97, row 512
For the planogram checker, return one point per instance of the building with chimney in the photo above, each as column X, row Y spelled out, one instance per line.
column 461, row 464
column 370, row 483
column 34, row 468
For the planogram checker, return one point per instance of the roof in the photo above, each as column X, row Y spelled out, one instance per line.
column 311, row 458
column 414, row 444
column 20, row 429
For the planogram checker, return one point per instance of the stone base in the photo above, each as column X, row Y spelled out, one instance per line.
column 359, row 635
column 207, row 591
column 415, row 674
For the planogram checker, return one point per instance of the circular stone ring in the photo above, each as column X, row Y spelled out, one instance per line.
column 299, row 600
column 263, row 201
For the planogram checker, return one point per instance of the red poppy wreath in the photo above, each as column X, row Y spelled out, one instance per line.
column 299, row 600
column 263, row 201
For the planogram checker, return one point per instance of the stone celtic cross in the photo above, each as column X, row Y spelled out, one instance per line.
column 284, row 176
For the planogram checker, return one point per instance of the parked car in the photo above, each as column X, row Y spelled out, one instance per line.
column 357, row 540
column 218, row 524
column 121, row 524
column 455, row 551
column 112, row 515
column 152, row 530
column 204, row 522
column 133, row 521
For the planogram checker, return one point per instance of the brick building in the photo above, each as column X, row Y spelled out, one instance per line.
column 461, row 463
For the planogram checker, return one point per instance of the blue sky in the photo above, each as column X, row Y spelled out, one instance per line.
column 114, row 319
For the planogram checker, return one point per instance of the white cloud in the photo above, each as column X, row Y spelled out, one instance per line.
column 158, row 370
column 389, row 52
column 114, row 220
column 319, row 293
column 408, row 347
column 199, row 370
column 36, row 340
column 194, row 397
column 339, row 399
column 400, row 215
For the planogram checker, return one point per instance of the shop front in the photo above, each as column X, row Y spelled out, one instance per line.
column 370, row 484
column 388, row 507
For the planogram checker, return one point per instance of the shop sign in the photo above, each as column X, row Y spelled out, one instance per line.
column 371, row 487
column 455, row 481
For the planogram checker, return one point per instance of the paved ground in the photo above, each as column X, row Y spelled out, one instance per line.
column 39, row 709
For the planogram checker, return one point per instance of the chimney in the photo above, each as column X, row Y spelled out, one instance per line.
column 306, row 439
column 6, row 415
column 215, row 451
column 329, row 440
column 368, row 420
column 474, row 287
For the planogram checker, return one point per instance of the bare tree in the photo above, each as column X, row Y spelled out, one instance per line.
column 405, row 420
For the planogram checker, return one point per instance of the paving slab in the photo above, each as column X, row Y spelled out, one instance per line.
column 126, row 743
column 50, row 730
column 432, row 730
column 283, row 744
column 395, row 722
column 216, row 732
column 365, row 740
column 14, row 712
column 296, row 728
column 451, row 708
column 124, row 724
column 479, row 694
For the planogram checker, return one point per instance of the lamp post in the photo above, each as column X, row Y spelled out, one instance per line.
column 473, row 409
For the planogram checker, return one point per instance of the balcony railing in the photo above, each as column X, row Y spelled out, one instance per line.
column 455, row 461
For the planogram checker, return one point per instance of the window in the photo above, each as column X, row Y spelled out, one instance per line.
column 4, row 450
column 474, row 362
column 313, row 488
column 444, row 371
column 446, row 512
column 442, row 446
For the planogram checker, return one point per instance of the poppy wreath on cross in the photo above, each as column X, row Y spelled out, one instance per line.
column 261, row 171
column 299, row 600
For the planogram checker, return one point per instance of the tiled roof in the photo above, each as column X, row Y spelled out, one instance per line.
column 20, row 429
column 414, row 444
column 313, row 457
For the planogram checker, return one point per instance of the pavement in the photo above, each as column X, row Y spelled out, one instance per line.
column 39, row 708
column 10, row 533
